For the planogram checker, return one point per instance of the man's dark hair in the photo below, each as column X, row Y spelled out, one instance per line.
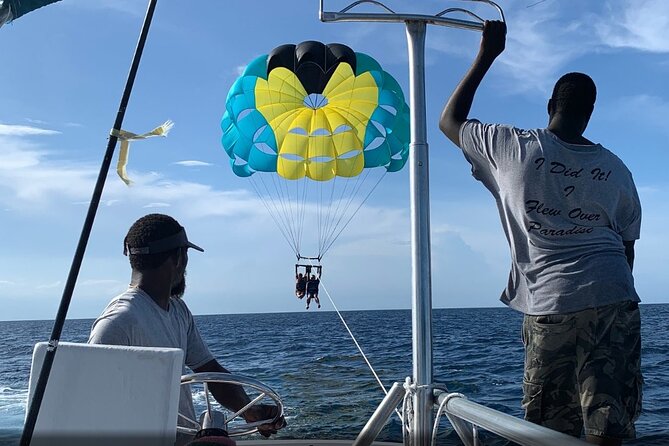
column 575, row 94
column 148, row 229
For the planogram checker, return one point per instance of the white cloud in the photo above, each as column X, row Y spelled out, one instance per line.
column 96, row 282
column 92, row 290
column 17, row 155
column 6, row 282
column 638, row 25
column 541, row 40
column 29, row 177
column 37, row 121
column 156, row 205
column 193, row 163
column 24, row 130
column 538, row 45
column 46, row 286
column 375, row 231
column 649, row 190
column 107, row 203
column 655, row 110
column 32, row 179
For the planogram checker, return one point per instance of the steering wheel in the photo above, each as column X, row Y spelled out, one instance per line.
column 214, row 418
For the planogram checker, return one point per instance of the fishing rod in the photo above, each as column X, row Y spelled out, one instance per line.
column 38, row 395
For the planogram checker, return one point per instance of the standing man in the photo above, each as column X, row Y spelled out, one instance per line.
column 571, row 214
column 151, row 313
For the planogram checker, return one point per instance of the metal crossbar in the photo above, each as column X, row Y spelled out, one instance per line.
column 525, row 433
column 466, row 417
column 394, row 17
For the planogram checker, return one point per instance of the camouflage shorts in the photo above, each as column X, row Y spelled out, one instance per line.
column 583, row 370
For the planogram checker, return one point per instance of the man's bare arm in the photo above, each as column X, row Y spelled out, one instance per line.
column 234, row 397
column 457, row 109
column 230, row 395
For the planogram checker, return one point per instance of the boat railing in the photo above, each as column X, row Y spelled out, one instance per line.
column 467, row 419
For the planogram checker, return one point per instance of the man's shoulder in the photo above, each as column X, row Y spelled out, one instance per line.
column 180, row 306
column 124, row 305
column 615, row 159
column 114, row 324
column 612, row 161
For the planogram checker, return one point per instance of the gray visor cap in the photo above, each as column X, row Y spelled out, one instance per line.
column 178, row 240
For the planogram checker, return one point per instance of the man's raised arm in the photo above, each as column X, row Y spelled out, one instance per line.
column 457, row 109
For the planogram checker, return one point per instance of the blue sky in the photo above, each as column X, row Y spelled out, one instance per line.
column 63, row 70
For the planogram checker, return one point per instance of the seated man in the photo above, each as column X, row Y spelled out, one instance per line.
column 300, row 285
column 312, row 289
column 151, row 312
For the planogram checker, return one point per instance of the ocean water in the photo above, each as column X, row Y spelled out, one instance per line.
column 328, row 390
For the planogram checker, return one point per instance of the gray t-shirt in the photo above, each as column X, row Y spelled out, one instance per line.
column 565, row 210
column 133, row 318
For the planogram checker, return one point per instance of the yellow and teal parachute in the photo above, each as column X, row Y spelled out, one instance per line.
column 308, row 115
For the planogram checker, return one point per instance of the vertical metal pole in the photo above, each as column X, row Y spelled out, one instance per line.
column 40, row 388
column 420, row 239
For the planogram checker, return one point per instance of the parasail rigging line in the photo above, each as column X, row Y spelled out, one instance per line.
column 359, row 182
column 321, row 216
column 321, row 240
column 302, row 206
column 273, row 213
column 327, row 248
column 283, row 188
column 280, row 217
column 282, row 199
column 331, row 216
column 280, row 204
column 355, row 341
column 284, row 207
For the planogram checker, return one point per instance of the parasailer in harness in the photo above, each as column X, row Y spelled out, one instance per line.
column 300, row 284
column 312, row 288
column 303, row 276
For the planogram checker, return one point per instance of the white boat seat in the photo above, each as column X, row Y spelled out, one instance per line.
column 108, row 395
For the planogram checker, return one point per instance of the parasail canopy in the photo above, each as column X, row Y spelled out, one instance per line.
column 310, row 117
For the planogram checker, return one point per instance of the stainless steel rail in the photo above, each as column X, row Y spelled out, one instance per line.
column 381, row 415
column 520, row 431
column 392, row 17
